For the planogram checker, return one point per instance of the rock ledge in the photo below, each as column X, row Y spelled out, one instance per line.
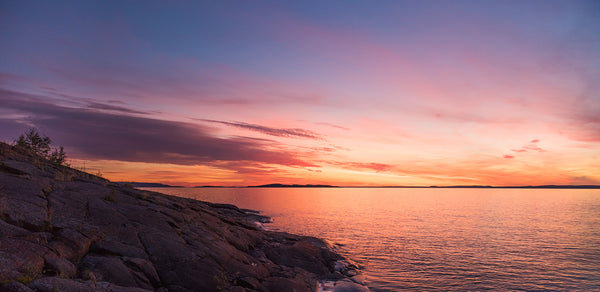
column 65, row 230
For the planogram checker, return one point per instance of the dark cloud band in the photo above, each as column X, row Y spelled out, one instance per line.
column 278, row 132
column 100, row 135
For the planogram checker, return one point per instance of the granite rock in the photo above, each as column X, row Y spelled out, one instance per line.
column 66, row 230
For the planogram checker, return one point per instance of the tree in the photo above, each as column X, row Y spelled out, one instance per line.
column 58, row 156
column 34, row 141
column 40, row 145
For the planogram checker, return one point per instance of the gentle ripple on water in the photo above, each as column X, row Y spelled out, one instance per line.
column 443, row 239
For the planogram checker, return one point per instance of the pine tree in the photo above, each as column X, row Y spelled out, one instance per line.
column 40, row 145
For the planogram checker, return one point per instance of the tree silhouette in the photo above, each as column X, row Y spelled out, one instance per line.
column 40, row 145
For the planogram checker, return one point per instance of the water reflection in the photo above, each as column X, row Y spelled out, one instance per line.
column 444, row 239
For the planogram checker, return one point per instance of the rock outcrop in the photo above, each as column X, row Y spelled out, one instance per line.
column 66, row 230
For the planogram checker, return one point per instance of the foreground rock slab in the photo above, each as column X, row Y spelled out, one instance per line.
column 65, row 230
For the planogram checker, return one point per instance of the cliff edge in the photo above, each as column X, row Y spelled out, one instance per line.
column 66, row 230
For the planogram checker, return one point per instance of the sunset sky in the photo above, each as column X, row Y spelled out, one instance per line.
column 347, row 93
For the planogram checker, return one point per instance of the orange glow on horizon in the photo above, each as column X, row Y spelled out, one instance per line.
column 396, row 93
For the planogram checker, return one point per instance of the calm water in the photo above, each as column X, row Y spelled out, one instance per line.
column 443, row 239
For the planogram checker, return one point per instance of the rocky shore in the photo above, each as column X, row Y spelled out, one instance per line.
column 66, row 230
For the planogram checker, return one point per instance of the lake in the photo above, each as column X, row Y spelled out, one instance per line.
column 442, row 239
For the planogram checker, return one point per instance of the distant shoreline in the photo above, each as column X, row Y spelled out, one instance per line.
column 483, row 187
column 152, row 185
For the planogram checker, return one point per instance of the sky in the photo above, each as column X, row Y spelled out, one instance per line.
column 349, row 93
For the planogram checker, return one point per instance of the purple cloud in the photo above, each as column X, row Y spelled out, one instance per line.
column 585, row 125
column 115, row 108
column 95, row 134
column 278, row 132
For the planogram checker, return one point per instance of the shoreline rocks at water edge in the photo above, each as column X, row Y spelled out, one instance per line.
column 66, row 230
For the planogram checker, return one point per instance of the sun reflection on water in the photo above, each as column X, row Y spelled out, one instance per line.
column 443, row 239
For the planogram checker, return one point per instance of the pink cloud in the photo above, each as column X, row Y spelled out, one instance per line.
column 377, row 167
column 532, row 146
column 333, row 126
column 584, row 180
column 509, row 156
column 583, row 126
column 278, row 132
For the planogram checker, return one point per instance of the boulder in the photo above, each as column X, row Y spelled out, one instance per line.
column 57, row 266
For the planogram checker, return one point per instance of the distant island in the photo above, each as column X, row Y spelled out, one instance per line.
column 527, row 187
column 292, row 186
column 147, row 185
column 555, row 187
column 486, row 187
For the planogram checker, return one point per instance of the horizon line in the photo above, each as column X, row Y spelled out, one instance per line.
column 551, row 186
